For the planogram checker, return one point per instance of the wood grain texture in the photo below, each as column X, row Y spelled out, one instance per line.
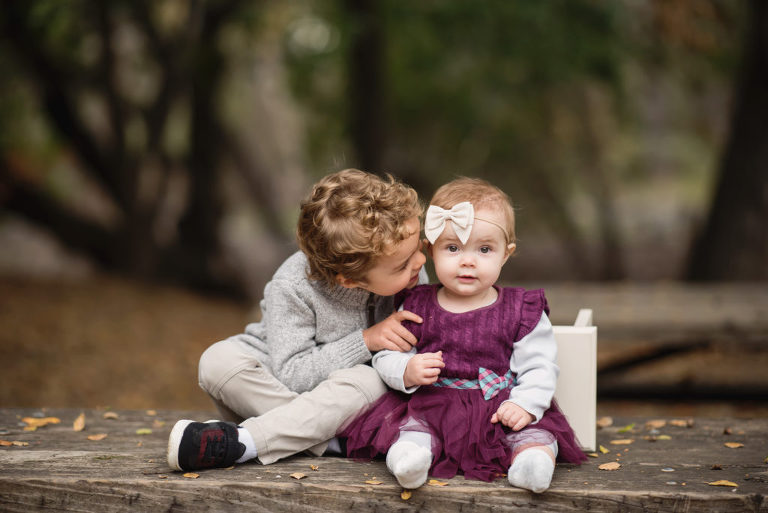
column 61, row 470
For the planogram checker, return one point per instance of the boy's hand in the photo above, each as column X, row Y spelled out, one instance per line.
column 423, row 369
column 390, row 334
column 512, row 416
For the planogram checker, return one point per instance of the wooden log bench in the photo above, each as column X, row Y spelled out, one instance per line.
column 667, row 468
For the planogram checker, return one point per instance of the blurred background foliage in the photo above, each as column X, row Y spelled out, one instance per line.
column 172, row 140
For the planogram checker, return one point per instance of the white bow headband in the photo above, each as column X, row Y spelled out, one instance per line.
column 463, row 217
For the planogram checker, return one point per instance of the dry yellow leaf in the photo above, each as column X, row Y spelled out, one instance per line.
column 593, row 454
column 151, row 413
column 603, row 450
column 723, row 482
column 314, row 467
column 157, row 424
column 604, row 422
column 733, row 445
column 5, row 443
column 373, row 482
column 298, row 475
column 435, row 482
column 663, row 437
column 97, row 437
column 110, row 415
column 79, row 423
column 681, row 422
column 143, row 431
column 405, row 495
column 20, row 444
column 162, row 476
column 191, row 475
column 613, row 465
column 655, row 424
column 623, row 441
column 35, row 423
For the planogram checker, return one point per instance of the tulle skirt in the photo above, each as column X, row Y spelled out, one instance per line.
column 459, row 422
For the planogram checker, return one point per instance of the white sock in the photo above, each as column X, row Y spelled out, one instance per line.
column 245, row 438
column 334, row 446
column 409, row 462
column 532, row 469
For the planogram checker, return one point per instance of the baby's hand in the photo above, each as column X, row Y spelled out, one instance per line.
column 390, row 334
column 423, row 369
column 512, row 416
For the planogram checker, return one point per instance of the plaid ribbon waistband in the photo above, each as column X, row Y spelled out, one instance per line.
column 487, row 381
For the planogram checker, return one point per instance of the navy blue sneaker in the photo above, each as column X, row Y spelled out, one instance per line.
column 197, row 445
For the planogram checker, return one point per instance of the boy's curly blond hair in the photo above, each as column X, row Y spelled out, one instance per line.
column 481, row 194
column 349, row 219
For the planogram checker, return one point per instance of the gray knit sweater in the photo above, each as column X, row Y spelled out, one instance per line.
column 308, row 329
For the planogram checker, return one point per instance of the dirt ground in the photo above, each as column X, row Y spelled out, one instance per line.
column 109, row 342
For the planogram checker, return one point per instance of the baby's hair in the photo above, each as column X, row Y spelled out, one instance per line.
column 349, row 219
column 481, row 194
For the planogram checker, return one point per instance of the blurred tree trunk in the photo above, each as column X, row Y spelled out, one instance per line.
column 189, row 68
column 733, row 244
column 367, row 128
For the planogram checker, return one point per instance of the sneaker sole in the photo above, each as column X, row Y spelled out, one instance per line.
column 174, row 442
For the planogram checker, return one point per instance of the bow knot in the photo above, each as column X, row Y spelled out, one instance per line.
column 462, row 215
column 491, row 383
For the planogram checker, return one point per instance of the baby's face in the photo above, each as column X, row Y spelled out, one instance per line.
column 470, row 269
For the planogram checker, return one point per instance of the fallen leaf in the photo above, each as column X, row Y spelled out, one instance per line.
column 716, row 466
column 35, row 423
column 110, row 415
column 151, row 413
column 97, row 437
column 298, row 475
column 603, row 450
column 162, row 476
column 143, row 431
column 19, row 444
column 157, row 424
column 682, row 422
column 623, row 441
column 593, row 454
column 405, row 495
column 613, row 465
column 435, row 482
column 79, row 423
column 727, row 431
column 314, row 467
column 373, row 482
column 626, row 428
column 664, row 437
column 733, row 445
column 723, row 482
column 604, row 422
column 231, row 467
column 765, row 460
column 191, row 475
column 655, row 424
column 5, row 443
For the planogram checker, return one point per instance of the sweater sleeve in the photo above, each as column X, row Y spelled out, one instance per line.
column 298, row 360
column 533, row 360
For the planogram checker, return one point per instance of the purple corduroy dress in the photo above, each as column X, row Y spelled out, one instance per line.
column 459, row 420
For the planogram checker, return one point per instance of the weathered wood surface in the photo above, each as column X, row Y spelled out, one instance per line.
column 61, row 470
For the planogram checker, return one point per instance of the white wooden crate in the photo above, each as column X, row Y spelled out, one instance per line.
column 576, row 391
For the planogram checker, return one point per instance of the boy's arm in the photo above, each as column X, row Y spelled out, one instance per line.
column 297, row 360
column 533, row 360
column 391, row 367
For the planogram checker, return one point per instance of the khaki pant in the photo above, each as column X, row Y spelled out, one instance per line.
column 283, row 422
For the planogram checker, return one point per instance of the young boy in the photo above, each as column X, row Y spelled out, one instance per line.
column 297, row 375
